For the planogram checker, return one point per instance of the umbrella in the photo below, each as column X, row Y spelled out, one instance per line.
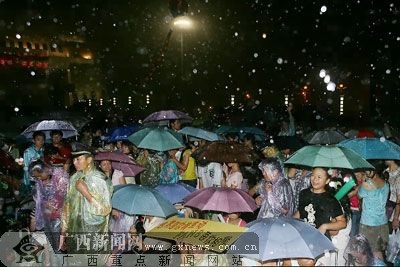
column 221, row 199
column 121, row 133
column 289, row 142
column 158, row 139
column 175, row 193
column 113, row 157
column 165, row 115
column 373, row 148
column 141, row 200
column 201, row 134
column 128, row 169
column 77, row 119
column 326, row 137
column 329, row 157
column 225, row 152
column 47, row 126
column 216, row 236
column 282, row 238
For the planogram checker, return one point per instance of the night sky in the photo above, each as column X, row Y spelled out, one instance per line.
column 235, row 47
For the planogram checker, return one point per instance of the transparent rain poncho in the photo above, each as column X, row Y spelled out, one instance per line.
column 278, row 200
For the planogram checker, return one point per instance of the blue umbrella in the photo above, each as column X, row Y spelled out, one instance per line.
column 281, row 238
column 201, row 134
column 121, row 133
column 175, row 193
column 141, row 200
column 373, row 148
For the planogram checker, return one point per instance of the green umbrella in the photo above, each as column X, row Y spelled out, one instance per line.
column 329, row 157
column 159, row 139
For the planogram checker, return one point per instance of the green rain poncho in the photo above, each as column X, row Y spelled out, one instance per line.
column 82, row 217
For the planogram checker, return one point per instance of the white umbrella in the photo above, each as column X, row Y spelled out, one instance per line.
column 47, row 126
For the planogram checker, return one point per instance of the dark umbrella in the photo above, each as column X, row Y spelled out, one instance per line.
column 293, row 143
column 225, row 152
column 326, row 137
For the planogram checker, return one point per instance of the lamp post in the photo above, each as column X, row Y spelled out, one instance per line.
column 183, row 23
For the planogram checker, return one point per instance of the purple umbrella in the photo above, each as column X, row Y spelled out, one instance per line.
column 165, row 115
column 113, row 157
column 221, row 199
column 128, row 169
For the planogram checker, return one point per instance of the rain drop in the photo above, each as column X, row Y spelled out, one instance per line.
column 318, row 117
column 382, row 139
column 329, row 101
column 194, row 71
column 323, row 9
column 18, row 36
column 388, row 71
column 331, row 86
column 236, row 34
column 279, row 60
column 322, row 73
column 33, row 73
column 327, row 79
column 255, row 55
column 264, row 35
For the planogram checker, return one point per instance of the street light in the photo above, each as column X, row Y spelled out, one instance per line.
column 183, row 23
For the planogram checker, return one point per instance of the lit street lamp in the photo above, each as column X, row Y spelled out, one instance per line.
column 183, row 23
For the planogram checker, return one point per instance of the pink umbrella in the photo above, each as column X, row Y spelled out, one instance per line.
column 127, row 169
column 221, row 199
column 113, row 157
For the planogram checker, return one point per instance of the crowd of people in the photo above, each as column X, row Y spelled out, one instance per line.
column 72, row 193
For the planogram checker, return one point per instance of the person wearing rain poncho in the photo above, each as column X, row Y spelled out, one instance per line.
column 87, row 207
column 275, row 193
column 51, row 187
